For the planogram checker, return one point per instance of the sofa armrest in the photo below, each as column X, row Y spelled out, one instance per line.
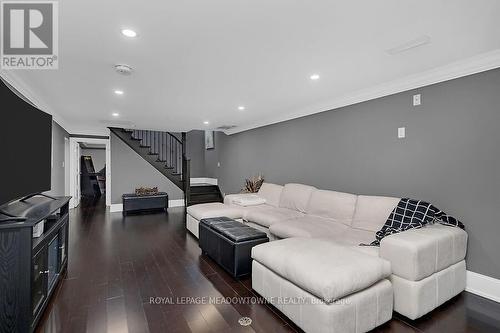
column 418, row 253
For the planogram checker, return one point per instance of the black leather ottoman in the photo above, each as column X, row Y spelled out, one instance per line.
column 229, row 243
column 144, row 203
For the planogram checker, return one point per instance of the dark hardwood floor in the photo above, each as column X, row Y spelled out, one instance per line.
column 117, row 264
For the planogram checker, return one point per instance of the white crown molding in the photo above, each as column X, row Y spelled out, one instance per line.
column 476, row 64
column 483, row 285
column 12, row 79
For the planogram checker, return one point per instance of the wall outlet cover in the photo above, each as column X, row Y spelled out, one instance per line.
column 417, row 100
column 401, row 132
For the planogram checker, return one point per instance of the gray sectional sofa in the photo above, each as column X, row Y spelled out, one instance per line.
column 426, row 266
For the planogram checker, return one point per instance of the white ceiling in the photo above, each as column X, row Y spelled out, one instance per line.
column 199, row 60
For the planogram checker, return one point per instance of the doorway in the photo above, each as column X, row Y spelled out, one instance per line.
column 90, row 176
column 92, row 173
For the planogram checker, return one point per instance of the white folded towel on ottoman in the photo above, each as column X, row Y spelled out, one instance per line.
column 248, row 200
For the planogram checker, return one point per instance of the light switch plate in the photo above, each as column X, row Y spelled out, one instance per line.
column 417, row 100
column 218, row 164
column 401, row 132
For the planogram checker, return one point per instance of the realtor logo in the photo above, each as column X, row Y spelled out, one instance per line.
column 29, row 38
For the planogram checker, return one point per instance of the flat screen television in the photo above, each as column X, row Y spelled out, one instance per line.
column 25, row 147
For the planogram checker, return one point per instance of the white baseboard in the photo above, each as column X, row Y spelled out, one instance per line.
column 211, row 181
column 176, row 203
column 114, row 208
column 483, row 285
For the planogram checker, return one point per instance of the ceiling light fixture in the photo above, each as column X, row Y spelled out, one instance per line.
column 314, row 77
column 115, row 114
column 241, row 108
column 119, row 92
column 206, row 122
column 129, row 33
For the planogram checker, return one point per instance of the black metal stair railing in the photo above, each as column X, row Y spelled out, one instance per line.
column 166, row 146
column 164, row 150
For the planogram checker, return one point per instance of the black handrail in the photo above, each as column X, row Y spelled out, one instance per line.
column 170, row 150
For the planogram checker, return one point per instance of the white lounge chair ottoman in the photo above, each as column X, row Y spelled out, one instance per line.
column 322, row 286
column 207, row 210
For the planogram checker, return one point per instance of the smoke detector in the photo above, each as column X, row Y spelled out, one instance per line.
column 123, row 69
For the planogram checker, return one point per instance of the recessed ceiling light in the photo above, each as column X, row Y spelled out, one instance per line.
column 314, row 77
column 206, row 122
column 241, row 108
column 115, row 114
column 119, row 92
column 129, row 33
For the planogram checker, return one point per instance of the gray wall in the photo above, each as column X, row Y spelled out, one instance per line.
column 59, row 169
column 129, row 171
column 98, row 157
column 195, row 150
column 450, row 157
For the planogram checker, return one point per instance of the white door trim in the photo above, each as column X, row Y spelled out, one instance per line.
column 73, row 142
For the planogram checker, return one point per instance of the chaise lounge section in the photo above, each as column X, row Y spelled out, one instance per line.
column 323, row 286
column 427, row 264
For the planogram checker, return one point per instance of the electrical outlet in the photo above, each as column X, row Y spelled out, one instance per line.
column 218, row 164
column 401, row 132
column 417, row 100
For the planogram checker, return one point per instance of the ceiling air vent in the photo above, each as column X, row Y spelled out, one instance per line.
column 123, row 69
column 422, row 40
column 226, row 127
column 117, row 123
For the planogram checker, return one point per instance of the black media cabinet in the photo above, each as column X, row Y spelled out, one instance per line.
column 144, row 203
column 30, row 268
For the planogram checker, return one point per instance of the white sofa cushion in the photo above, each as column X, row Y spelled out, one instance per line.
column 317, row 227
column 321, row 267
column 269, row 215
column 358, row 312
column 372, row 212
column 296, row 196
column 214, row 209
column 334, row 205
column 272, row 193
column 308, row 226
column 355, row 237
column 414, row 299
column 418, row 253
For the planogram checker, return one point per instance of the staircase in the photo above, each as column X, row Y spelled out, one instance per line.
column 166, row 152
column 203, row 193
